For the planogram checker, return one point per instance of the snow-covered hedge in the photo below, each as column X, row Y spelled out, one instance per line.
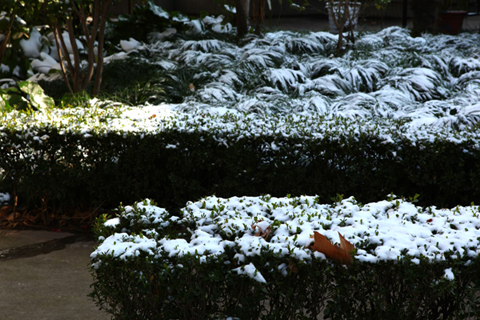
column 215, row 260
column 190, row 156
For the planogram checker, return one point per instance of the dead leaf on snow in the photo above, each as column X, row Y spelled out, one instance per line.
column 341, row 254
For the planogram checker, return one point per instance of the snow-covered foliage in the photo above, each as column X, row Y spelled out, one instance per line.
column 383, row 230
column 228, row 124
column 386, row 230
column 388, row 75
column 432, row 80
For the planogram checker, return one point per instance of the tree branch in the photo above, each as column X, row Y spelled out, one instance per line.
column 77, row 76
column 7, row 37
column 60, row 56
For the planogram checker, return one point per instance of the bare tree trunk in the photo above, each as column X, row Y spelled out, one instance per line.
column 242, row 7
column 81, row 79
column 344, row 14
column 334, row 10
column 77, row 73
column 101, row 39
column 258, row 14
column 90, row 39
column 61, row 46
column 246, row 8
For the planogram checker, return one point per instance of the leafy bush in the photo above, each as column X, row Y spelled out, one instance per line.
column 211, row 263
column 193, row 156
column 298, row 123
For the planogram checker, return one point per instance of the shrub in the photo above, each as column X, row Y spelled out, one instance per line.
column 230, row 155
column 212, row 263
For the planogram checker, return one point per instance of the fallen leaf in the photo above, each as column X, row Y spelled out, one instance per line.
column 341, row 254
column 12, row 216
column 262, row 233
column 292, row 266
column 192, row 87
column 5, row 210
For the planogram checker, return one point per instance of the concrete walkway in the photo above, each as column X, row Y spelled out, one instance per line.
column 45, row 276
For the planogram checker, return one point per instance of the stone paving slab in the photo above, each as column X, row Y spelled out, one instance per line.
column 51, row 286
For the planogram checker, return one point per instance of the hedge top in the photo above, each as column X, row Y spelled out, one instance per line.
column 391, row 229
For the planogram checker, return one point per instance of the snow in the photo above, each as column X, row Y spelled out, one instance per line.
column 160, row 36
column 4, row 198
column 251, row 271
column 449, row 274
column 45, row 64
column 129, row 45
column 31, row 47
column 159, row 11
column 112, row 222
column 385, row 230
column 124, row 246
column 425, row 81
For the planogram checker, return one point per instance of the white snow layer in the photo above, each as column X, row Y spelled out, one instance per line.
column 449, row 274
column 384, row 230
column 251, row 271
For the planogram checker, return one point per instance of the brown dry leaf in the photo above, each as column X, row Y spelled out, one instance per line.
column 12, row 216
column 32, row 218
column 341, row 254
column 262, row 233
column 192, row 87
column 5, row 210
column 83, row 216
column 292, row 266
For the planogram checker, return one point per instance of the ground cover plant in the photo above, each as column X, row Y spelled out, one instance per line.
column 272, row 114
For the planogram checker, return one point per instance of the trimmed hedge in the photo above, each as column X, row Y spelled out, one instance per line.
column 60, row 169
column 151, row 265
